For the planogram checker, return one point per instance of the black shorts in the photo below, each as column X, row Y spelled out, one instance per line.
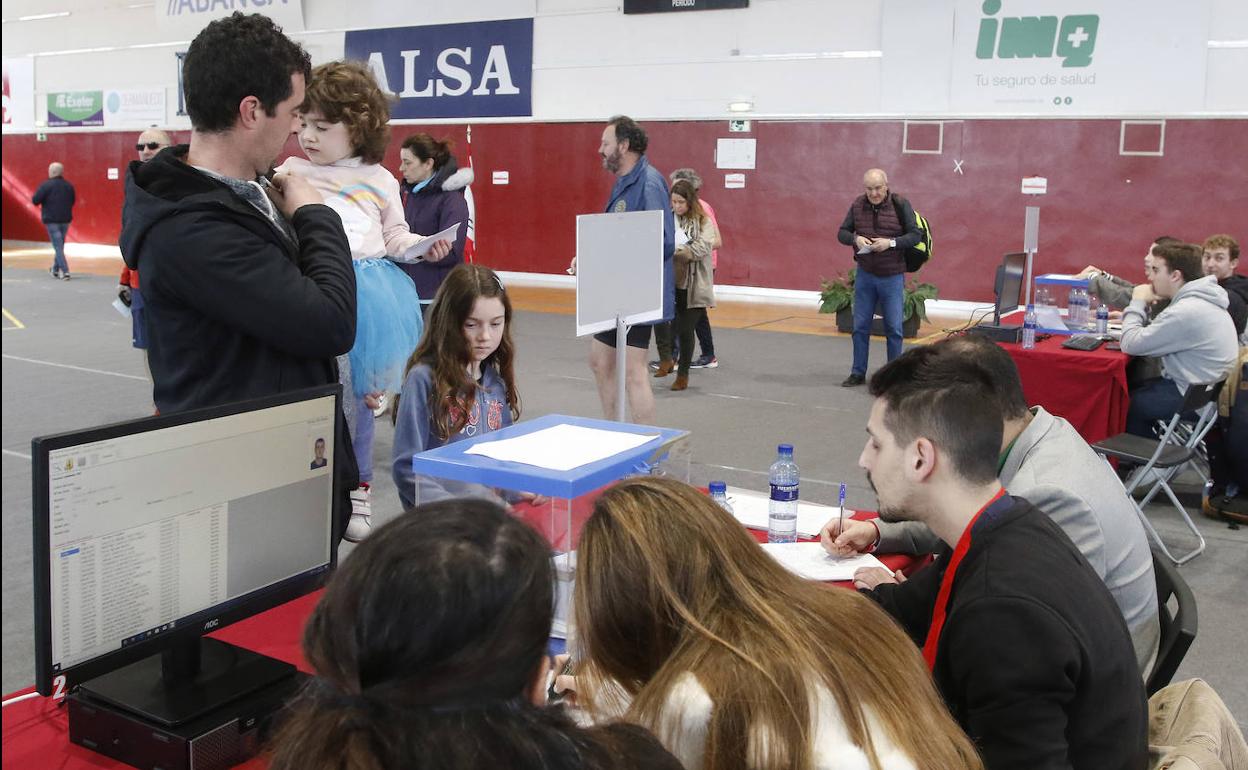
column 638, row 337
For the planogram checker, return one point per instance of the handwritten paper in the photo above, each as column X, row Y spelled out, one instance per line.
column 810, row 561
column 751, row 507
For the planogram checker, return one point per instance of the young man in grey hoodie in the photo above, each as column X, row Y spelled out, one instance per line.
column 1194, row 336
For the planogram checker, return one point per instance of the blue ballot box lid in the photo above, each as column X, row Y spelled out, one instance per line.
column 1060, row 279
column 452, row 462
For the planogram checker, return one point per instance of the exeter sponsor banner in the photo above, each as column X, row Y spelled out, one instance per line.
column 481, row 69
column 188, row 17
column 76, row 108
column 134, row 107
column 19, row 93
column 1077, row 57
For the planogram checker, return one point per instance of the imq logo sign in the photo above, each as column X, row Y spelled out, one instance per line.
column 482, row 69
column 1070, row 38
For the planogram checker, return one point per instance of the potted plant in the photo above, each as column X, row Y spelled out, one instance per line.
column 837, row 296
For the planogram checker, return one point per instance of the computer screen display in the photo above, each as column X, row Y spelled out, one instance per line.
column 172, row 526
column 1009, row 284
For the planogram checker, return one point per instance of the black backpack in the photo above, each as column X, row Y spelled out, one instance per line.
column 916, row 256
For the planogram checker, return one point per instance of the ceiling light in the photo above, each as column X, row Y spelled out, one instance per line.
column 38, row 16
column 740, row 105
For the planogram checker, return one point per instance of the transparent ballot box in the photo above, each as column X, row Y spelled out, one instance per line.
column 568, row 460
column 1063, row 304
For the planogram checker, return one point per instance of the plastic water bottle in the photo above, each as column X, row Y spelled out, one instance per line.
column 782, row 510
column 1072, row 309
column 719, row 493
column 1029, row 328
column 1102, row 320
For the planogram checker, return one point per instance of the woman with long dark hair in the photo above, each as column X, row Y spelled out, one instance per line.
column 429, row 649
column 433, row 197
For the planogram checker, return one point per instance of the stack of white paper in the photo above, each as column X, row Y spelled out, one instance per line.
column 751, row 507
column 810, row 561
column 561, row 447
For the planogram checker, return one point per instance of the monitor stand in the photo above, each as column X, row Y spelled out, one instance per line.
column 188, row 680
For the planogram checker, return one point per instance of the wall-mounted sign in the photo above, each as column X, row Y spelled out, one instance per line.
column 76, row 108
column 735, row 153
column 739, row 126
column 1035, row 185
column 134, row 107
column 482, row 69
column 188, row 17
column 19, row 93
column 1076, row 57
column 502, row 177
column 734, row 181
column 663, row 6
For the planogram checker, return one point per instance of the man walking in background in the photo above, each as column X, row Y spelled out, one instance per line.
column 56, row 199
column 880, row 226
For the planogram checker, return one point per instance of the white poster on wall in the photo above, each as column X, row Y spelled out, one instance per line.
column 134, row 108
column 185, row 18
column 1077, row 57
column 19, row 94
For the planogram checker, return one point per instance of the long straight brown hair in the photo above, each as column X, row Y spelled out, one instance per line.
column 445, row 349
column 668, row 584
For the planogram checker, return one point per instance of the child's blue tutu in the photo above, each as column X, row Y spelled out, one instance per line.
column 388, row 326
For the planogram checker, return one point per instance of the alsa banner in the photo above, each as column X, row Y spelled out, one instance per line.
column 76, row 108
column 481, row 69
column 1076, row 57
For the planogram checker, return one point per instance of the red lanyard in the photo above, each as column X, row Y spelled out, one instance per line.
column 946, row 585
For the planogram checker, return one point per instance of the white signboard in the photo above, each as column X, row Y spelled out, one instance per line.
column 134, row 108
column 19, row 94
column 619, row 269
column 502, row 177
column 1077, row 57
column 735, row 153
column 734, row 181
column 186, row 18
column 1035, row 185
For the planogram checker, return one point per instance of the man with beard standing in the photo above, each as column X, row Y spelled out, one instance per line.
column 638, row 187
column 1023, row 639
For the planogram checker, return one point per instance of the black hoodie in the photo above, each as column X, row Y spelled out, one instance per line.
column 235, row 309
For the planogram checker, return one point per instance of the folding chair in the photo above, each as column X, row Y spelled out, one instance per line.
column 1178, row 628
column 1167, row 455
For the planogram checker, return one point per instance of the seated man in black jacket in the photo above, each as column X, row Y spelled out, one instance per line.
column 1023, row 639
column 1221, row 257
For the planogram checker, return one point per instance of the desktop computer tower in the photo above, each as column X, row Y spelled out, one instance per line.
column 217, row 740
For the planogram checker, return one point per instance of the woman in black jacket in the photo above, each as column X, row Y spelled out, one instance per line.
column 433, row 199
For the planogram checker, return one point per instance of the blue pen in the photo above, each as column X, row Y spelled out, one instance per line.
column 842, row 506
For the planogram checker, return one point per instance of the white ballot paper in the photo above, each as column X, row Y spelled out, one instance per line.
column 810, row 561
column 750, row 508
column 415, row 253
column 681, row 236
column 562, row 447
column 1049, row 317
column 121, row 307
column 864, row 250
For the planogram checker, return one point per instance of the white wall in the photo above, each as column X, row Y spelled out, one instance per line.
column 590, row 60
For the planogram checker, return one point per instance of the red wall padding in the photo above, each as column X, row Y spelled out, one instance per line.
column 780, row 231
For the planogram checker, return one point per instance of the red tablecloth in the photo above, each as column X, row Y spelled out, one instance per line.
column 36, row 731
column 1086, row 387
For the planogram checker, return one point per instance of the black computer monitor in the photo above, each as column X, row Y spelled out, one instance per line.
column 1008, row 286
column 150, row 534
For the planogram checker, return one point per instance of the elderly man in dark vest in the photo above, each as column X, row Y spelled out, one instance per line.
column 880, row 226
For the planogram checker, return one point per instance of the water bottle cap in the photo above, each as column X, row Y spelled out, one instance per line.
column 785, row 449
column 1030, row 307
column 718, row 488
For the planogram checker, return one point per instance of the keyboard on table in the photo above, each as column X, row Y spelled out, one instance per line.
column 1083, row 342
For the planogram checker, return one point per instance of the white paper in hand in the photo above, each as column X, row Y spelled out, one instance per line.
column 864, row 250
column 417, row 252
column 121, row 307
column 681, row 236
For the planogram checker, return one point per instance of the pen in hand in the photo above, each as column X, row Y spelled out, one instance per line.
column 841, row 505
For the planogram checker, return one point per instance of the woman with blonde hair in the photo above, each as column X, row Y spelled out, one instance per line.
column 688, row 628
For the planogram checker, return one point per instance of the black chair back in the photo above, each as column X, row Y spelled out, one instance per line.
column 1198, row 394
column 1178, row 628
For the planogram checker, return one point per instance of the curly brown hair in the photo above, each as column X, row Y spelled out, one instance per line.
column 346, row 92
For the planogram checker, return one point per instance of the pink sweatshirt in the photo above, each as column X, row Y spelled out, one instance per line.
column 366, row 196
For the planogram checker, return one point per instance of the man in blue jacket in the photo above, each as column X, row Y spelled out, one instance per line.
column 638, row 187
column 56, row 197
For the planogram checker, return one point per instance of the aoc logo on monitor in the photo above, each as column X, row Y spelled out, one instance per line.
column 212, row 624
column 1070, row 38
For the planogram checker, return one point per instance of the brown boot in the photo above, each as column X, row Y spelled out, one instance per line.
column 665, row 368
column 681, row 382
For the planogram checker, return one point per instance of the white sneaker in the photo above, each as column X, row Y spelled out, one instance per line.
column 382, row 407
column 361, row 515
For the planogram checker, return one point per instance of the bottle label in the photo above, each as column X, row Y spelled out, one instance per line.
column 784, row 493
